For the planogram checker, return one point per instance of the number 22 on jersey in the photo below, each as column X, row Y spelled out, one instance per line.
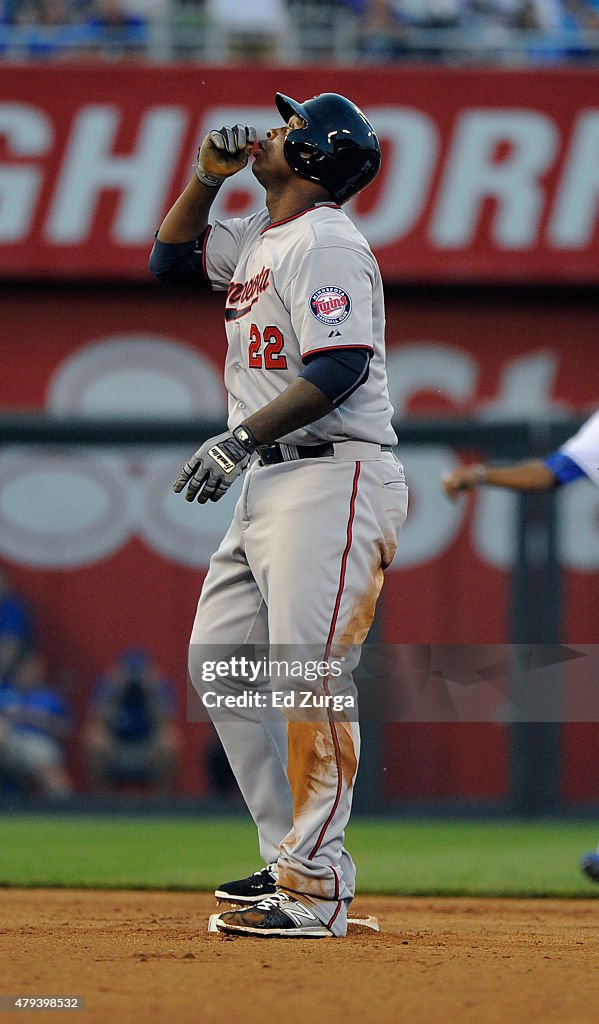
column 266, row 350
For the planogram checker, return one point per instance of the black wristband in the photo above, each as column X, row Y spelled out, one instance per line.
column 209, row 180
column 246, row 438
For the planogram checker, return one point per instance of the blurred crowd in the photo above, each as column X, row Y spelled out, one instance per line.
column 470, row 29
column 126, row 736
column 35, row 720
column 454, row 31
column 58, row 29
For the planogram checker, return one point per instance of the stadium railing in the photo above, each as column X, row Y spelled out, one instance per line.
column 317, row 33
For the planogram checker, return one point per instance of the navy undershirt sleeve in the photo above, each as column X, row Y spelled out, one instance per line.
column 564, row 469
column 177, row 262
column 338, row 373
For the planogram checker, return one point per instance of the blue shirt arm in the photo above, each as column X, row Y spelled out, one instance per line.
column 564, row 469
column 339, row 372
column 179, row 262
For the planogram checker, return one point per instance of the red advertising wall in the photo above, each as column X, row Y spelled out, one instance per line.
column 109, row 558
column 488, row 175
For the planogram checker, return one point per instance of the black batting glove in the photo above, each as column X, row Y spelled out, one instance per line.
column 211, row 471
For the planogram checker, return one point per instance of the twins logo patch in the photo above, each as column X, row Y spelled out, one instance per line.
column 330, row 305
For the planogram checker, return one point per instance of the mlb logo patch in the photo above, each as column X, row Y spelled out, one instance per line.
column 330, row 305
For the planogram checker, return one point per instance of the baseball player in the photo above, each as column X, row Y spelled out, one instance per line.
column 576, row 459
column 323, row 496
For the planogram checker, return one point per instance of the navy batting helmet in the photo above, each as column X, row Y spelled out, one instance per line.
column 338, row 147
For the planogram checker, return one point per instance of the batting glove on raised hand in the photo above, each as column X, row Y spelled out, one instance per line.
column 211, row 471
column 223, row 153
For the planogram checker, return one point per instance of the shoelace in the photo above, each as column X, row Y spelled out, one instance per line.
column 269, row 869
column 272, row 902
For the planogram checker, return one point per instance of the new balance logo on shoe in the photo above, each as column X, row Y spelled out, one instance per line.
column 298, row 912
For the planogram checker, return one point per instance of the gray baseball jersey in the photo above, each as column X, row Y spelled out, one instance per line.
column 302, row 563
column 304, row 285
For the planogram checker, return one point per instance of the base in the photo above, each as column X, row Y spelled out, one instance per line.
column 353, row 923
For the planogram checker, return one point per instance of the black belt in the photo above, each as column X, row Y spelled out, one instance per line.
column 274, row 454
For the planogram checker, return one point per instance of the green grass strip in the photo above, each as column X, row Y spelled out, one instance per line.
column 480, row 858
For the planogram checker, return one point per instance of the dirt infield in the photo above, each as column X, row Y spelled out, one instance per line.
column 145, row 957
